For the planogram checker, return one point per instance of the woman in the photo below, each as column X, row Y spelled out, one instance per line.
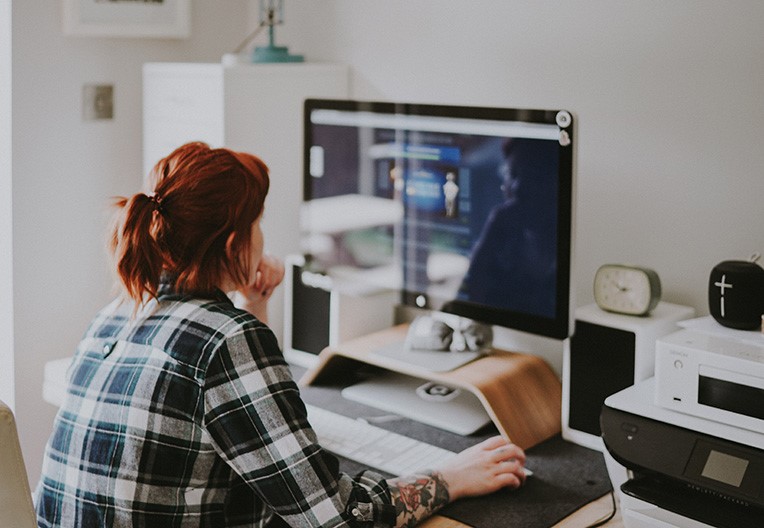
column 181, row 410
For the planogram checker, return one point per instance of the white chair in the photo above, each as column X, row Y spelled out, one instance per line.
column 16, row 509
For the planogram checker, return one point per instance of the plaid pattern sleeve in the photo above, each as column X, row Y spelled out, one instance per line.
column 187, row 416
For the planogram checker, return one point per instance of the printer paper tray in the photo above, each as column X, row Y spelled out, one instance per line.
column 694, row 504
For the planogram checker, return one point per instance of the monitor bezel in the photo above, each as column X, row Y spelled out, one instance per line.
column 557, row 327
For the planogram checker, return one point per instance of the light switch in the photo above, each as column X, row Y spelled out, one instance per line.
column 97, row 101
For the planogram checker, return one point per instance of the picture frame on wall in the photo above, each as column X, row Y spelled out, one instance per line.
column 127, row 18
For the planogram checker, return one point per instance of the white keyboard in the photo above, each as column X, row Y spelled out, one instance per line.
column 373, row 446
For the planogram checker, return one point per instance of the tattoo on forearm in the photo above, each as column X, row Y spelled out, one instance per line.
column 418, row 496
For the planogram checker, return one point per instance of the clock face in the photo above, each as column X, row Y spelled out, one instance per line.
column 626, row 289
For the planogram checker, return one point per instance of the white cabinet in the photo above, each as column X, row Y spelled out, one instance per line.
column 256, row 108
column 181, row 102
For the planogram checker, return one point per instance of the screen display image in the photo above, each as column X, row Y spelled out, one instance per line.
column 725, row 468
column 466, row 210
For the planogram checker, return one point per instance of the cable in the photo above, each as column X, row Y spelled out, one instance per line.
column 610, row 516
column 249, row 38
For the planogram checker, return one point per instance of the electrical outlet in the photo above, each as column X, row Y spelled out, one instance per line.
column 97, row 101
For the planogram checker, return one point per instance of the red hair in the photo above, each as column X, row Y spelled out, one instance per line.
column 195, row 225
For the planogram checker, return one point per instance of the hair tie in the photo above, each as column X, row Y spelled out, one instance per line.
column 156, row 200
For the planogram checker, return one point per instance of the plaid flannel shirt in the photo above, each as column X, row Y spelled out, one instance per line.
column 186, row 415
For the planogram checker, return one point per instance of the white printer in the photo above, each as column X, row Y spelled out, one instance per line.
column 711, row 376
column 686, row 448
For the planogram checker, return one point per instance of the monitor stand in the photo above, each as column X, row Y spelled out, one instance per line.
column 520, row 392
column 433, row 403
column 429, row 360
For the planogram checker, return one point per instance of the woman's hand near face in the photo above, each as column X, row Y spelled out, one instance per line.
column 270, row 273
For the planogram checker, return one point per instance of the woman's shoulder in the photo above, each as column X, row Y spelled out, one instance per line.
column 215, row 317
column 188, row 328
column 226, row 318
column 204, row 313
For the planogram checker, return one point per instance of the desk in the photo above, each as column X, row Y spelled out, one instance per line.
column 587, row 515
column 54, row 387
column 520, row 394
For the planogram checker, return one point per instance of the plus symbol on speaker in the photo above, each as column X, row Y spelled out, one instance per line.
column 722, row 284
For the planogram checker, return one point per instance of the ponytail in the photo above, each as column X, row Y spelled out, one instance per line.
column 139, row 258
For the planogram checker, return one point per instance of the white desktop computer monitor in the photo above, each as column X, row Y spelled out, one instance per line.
column 467, row 211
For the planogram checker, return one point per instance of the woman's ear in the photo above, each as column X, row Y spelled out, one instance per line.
column 237, row 260
column 229, row 247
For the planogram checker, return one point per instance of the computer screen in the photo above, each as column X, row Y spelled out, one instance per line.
column 465, row 210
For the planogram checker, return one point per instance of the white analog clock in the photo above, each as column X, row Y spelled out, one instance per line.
column 631, row 290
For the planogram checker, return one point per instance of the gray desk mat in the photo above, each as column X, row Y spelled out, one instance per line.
column 566, row 476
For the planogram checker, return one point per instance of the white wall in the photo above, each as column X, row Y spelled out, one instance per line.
column 668, row 97
column 64, row 172
column 6, row 273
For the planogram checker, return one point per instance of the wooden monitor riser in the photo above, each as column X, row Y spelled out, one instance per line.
column 520, row 392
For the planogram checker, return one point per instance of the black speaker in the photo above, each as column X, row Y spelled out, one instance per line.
column 310, row 308
column 320, row 311
column 736, row 294
column 604, row 364
column 607, row 353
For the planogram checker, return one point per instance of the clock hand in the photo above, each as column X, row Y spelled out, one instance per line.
column 620, row 288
